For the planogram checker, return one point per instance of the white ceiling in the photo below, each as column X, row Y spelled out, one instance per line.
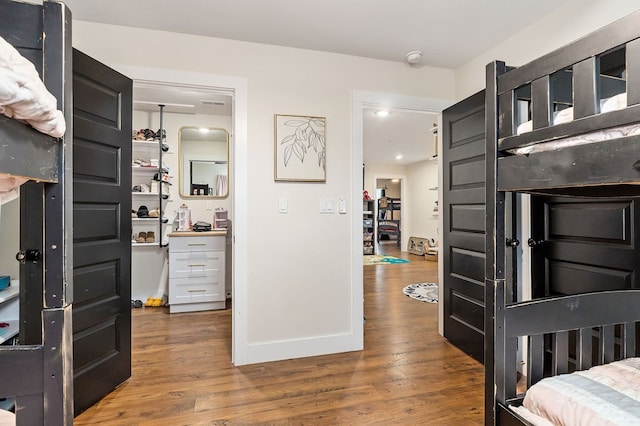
column 404, row 133
column 180, row 100
column 448, row 32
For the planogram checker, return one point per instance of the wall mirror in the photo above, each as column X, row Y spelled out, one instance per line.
column 203, row 166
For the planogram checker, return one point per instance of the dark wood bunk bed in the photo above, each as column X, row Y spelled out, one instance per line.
column 38, row 375
column 562, row 333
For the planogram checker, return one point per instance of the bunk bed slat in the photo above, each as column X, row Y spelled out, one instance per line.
column 36, row 155
column 629, row 343
column 507, row 389
column 540, row 94
column 633, row 72
column 506, row 117
column 584, row 349
column 584, row 88
column 560, row 358
column 535, row 362
column 607, row 342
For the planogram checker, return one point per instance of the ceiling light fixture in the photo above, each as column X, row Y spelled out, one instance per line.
column 414, row 57
column 382, row 113
column 399, row 157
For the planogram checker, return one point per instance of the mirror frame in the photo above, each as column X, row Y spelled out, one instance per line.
column 180, row 164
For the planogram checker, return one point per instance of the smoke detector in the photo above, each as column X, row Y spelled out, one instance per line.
column 414, row 57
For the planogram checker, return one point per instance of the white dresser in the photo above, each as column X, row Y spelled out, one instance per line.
column 197, row 271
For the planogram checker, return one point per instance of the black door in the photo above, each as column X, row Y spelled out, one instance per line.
column 464, row 224
column 101, row 230
column 583, row 245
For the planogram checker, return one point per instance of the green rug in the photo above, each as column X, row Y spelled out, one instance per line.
column 377, row 259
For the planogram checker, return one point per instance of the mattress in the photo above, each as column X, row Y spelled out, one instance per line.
column 606, row 105
column 603, row 395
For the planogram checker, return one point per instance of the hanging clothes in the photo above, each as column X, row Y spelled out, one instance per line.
column 221, row 185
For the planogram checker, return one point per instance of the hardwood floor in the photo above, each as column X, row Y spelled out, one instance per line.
column 407, row 373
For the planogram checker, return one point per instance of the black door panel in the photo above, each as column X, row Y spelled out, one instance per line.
column 102, row 230
column 463, row 208
column 586, row 245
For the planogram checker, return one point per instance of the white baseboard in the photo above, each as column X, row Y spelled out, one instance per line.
column 290, row 349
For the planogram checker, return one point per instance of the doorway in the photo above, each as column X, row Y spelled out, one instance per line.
column 234, row 89
column 362, row 102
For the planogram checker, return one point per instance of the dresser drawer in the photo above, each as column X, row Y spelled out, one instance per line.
column 196, row 290
column 196, row 264
column 187, row 244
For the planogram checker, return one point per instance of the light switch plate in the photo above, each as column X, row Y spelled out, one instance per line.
column 342, row 206
column 326, row 205
column 283, row 205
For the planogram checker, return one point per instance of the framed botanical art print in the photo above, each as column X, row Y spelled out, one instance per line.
column 300, row 151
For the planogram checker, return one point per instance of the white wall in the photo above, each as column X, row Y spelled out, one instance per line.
column 568, row 23
column 301, row 298
column 422, row 193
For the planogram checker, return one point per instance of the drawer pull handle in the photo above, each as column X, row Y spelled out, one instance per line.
column 196, row 291
column 196, row 244
column 191, row 265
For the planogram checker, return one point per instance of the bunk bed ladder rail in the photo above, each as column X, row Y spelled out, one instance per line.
column 494, row 249
column 39, row 374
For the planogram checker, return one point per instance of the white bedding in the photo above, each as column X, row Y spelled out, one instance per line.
column 23, row 95
column 606, row 105
column 605, row 395
column 10, row 188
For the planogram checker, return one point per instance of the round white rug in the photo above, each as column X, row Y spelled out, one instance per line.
column 425, row 292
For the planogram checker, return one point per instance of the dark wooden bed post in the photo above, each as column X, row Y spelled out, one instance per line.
column 495, row 238
column 58, row 239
